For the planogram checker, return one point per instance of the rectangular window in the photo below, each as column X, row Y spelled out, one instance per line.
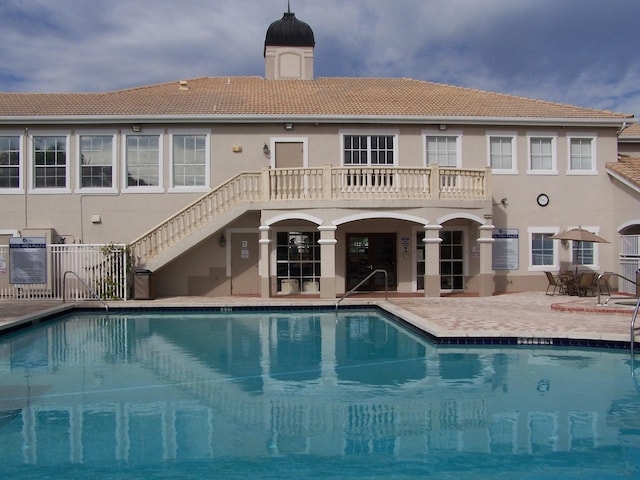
column 10, row 162
column 442, row 150
column 96, row 161
column 189, row 160
column 369, row 150
column 542, row 250
column 581, row 154
column 143, row 160
column 583, row 253
column 542, row 155
column 501, row 153
column 49, row 162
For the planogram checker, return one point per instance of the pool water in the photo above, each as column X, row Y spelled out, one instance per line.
column 304, row 394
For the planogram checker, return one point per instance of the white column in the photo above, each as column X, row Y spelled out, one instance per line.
column 263, row 262
column 327, row 260
column 432, row 242
column 486, row 283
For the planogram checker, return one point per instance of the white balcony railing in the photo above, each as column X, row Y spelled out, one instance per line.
column 322, row 184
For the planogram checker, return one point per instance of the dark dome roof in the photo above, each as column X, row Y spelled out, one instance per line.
column 289, row 32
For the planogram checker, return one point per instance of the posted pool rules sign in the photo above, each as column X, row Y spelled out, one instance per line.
column 27, row 260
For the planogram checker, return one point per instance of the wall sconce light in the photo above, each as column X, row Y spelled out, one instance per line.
column 503, row 201
column 442, row 126
column 288, row 126
column 266, row 150
column 222, row 241
column 136, row 128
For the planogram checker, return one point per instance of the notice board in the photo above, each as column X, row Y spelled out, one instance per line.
column 505, row 248
column 27, row 260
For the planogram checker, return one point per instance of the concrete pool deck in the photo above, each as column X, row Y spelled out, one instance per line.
column 527, row 315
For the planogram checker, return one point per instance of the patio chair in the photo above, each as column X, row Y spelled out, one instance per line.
column 587, row 283
column 555, row 285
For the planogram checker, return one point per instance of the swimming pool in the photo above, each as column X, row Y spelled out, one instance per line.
column 304, row 394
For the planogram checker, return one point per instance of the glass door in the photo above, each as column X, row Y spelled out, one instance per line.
column 368, row 252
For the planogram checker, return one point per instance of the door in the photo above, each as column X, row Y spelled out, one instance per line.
column 289, row 155
column 244, row 264
column 452, row 260
column 368, row 252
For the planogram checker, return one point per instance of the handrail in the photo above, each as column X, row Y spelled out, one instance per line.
column 377, row 270
column 64, row 289
column 610, row 274
column 633, row 325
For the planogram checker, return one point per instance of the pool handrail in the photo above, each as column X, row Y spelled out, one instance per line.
column 91, row 290
column 610, row 274
column 377, row 270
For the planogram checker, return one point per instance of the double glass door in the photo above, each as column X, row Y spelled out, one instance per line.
column 368, row 252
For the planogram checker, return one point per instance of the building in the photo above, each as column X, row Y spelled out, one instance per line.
column 292, row 183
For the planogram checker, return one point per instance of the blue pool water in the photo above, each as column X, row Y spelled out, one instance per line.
column 304, row 394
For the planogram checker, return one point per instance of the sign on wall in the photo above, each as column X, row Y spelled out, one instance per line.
column 27, row 260
column 505, row 248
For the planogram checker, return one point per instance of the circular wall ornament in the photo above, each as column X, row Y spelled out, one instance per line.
column 543, row 200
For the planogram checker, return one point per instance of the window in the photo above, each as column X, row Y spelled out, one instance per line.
column 96, row 161
column 49, row 162
column 369, row 150
column 543, row 249
column 502, row 153
column 585, row 254
column 10, row 162
column 581, row 155
column 143, row 161
column 298, row 260
column 189, row 161
column 542, row 154
column 443, row 150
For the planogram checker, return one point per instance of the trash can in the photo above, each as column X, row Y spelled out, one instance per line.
column 144, row 287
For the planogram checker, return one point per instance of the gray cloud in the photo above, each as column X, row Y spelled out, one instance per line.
column 573, row 51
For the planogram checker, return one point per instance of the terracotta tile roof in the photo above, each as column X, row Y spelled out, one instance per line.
column 631, row 132
column 328, row 97
column 627, row 168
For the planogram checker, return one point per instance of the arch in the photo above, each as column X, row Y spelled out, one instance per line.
column 467, row 216
column 635, row 224
column 388, row 215
column 294, row 216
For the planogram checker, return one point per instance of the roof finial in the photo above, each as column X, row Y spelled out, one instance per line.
column 288, row 6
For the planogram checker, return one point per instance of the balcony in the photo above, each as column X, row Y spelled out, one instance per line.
column 296, row 188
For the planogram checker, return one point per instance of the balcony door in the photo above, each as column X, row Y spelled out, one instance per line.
column 367, row 252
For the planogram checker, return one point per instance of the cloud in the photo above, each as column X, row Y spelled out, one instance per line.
column 572, row 51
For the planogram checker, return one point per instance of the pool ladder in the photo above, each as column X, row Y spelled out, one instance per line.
column 377, row 270
column 93, row 292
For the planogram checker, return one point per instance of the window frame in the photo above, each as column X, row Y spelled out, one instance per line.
column 21, row 171
column 583, row 136
column 114, row 160
column 556, row 259
column 125, row 162
column 207, row 162
column 32, row 189
column 553, row 136
column 456, row 134
column 513, row 170
column 594, row 246
column 370, row 133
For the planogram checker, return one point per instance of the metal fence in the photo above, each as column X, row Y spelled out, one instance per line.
column 98, row 270
column 629, row 262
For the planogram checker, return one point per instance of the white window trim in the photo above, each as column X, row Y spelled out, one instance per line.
column 442, row 133
column 114, row 162
column 305, row 149
column 556, row 259
column 596, row 261
column 554, row 153
column 594, row 153
column 514, row 152
column 31, row 170
column 370, row 133
column 161, row 147
column 21, row 163
column 207, row 169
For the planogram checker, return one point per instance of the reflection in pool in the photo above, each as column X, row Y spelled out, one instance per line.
column 304, row 394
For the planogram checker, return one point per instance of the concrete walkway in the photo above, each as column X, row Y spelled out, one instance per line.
column 530, row 315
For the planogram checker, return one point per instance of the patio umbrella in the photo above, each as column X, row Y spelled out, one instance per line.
column 579, row 235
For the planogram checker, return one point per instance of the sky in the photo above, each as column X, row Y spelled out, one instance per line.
column 579, row 52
